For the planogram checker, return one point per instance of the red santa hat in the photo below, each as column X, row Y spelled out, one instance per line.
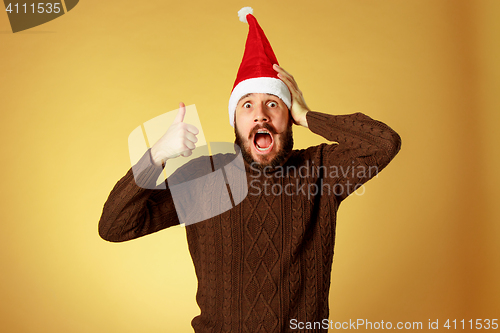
column 256, row 73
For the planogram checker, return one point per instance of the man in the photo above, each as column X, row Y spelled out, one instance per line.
column 264, row 265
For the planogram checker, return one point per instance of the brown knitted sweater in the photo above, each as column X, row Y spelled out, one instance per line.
column 268, row 260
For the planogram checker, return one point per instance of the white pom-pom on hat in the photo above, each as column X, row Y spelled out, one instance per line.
column 243, row 12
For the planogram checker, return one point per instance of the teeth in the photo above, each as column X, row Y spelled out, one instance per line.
column 262, row 131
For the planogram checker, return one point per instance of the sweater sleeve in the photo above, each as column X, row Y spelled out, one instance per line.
column 136, row 207
column 365, row 146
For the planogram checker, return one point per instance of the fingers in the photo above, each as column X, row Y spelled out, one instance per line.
column 186, row 139
column 299, row 107
column 180, row 115
column 192, row 129
column 187, row 153
column 191, row 137
column 179, row 118
column 187, row 150
column 179, row 140
column 287, row 78
column 290, row 82
column 189, row 144
column 280, row 70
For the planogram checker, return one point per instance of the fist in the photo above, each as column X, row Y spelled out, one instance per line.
column 179, row 139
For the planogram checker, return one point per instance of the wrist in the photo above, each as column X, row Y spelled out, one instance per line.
column 303, row 120
column 157, row 161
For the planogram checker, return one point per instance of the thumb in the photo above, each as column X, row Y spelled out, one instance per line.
column 180, row 115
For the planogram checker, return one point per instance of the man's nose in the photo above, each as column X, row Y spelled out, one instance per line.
column 260, row 113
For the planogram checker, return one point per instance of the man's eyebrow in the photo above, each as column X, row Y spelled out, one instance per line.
column 248, row 95
column 244, row 96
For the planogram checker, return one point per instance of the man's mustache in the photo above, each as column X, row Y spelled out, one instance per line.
column 260, row 126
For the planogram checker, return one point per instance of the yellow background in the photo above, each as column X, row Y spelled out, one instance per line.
column 421, row 243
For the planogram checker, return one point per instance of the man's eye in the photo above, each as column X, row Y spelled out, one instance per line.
column 247, row 105
column 273, row 104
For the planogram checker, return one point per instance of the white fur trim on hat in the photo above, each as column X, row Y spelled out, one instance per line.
column 265, row 85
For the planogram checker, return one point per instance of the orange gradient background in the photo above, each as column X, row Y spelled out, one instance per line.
column 421, row 243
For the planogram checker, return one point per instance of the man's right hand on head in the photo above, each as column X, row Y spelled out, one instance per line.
column 179, row 139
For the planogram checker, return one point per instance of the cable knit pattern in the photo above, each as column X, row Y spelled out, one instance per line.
column 268, row 260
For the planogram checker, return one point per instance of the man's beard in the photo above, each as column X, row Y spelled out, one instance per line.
column 285, row 139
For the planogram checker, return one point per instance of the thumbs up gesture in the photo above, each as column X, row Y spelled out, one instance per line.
column 179, row 139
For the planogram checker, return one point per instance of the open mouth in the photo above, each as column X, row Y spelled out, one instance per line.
column 263, row 141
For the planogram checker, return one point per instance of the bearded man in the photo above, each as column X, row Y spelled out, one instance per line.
column 265, row 264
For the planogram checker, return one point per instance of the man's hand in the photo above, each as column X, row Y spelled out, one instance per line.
column 299, row 107
column 178, row 140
